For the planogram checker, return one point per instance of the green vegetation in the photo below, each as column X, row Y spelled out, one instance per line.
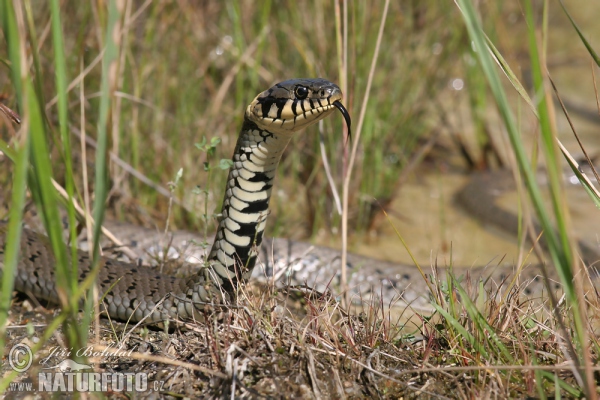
column 149, row 80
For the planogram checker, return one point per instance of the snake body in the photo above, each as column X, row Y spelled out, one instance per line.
column 131, row 292
column 297, row 263
column 270, row 122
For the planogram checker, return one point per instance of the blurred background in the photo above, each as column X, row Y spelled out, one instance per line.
column 187, row 70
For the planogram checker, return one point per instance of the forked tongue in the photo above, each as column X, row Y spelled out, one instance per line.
column 338, row 104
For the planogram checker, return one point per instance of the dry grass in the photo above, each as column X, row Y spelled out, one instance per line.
column 281, row 345
column 185, row 71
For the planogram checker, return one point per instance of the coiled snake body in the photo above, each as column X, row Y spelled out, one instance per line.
column 290, row 262
column 269, row 124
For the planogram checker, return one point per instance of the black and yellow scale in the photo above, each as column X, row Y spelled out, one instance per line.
column 270, row 121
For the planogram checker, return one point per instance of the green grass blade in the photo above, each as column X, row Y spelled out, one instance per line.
column 9, row 27
column 109, row 68
column 476, row 34
column 13, row 235
column 487, row 331
column 38, row 78
column 487, row 65
column 561, row 384
column 462, row 331
column 21, row 157
column 558, row 245
column 552, row 164
column 66, row 151
column 587, row 184
column 512, row 78
column 587, row 44
column 44, row 194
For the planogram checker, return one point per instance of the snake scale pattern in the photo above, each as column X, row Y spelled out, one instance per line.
column 132, row 293
column 270, row 122
column 288, row 262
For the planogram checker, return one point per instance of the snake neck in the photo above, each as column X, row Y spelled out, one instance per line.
column 246, row 203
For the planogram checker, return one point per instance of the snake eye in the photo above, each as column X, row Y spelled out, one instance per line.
column 301, row 92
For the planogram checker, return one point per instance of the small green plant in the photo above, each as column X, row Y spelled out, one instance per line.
column 209, row 148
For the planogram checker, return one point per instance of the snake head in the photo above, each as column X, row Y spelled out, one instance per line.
column 295, row 104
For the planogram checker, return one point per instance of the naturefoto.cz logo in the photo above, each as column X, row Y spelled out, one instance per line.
column 70, row 376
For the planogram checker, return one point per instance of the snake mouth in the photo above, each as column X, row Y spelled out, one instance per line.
column 338, row 104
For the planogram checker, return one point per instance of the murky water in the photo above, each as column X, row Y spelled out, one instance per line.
column 424, row 213
column 434, row 227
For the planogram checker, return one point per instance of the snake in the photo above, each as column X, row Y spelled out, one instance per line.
column 237, row 250
column 132, row 293
column 299, row 264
